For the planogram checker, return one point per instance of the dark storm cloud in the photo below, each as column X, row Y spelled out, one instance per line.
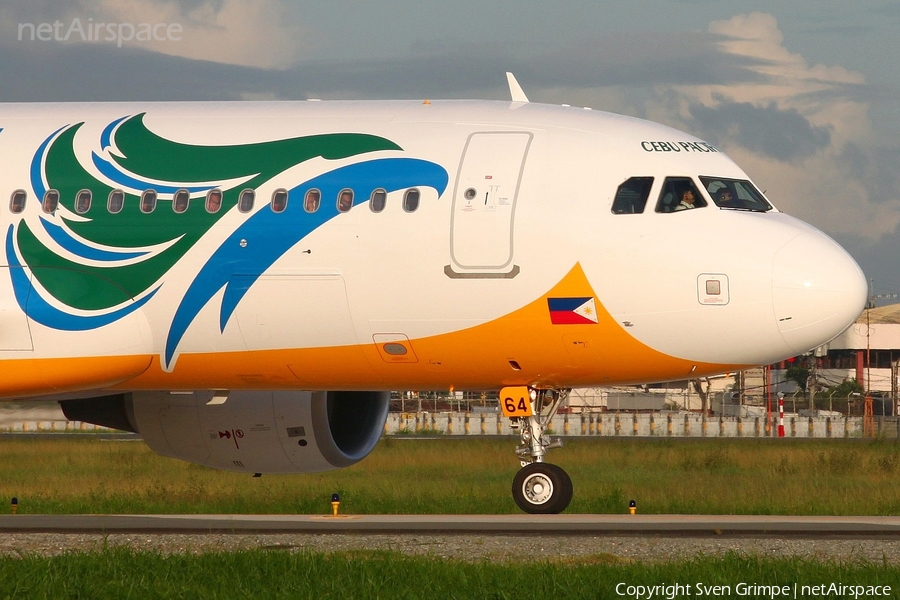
column 782, row 134
column 838, row 92
column 842, row 31
column 95, row 72
column 640, row 60
column 877, row 258
column 52, row 71
column 654, row 58
column 875, row 168
column 187, row 6
column 34, row 11
column 888, row 10
column 49, row 10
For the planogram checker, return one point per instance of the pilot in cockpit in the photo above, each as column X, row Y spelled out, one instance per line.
column 725, row 199
column 687, row 200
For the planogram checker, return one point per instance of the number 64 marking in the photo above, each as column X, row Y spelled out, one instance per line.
column 516, row 401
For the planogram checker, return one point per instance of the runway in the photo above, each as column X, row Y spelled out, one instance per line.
column 520, row 524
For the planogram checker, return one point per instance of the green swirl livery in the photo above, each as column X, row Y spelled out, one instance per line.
column 125, row 256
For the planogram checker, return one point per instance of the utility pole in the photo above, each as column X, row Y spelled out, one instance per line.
column 812, row 382
column 868, row 416
column 895, row 367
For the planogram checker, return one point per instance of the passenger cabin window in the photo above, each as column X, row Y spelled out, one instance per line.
column 279, row 200
column 378, row 200
column 311, row 200
column 148, row 201
column 345, row 200
column 83, row 201
column 411, row 200
column 180, row 201
column 679, row 194
column 739, row 194
column 245, row 200
column 17, row 201
column 631, row 197
column 51, row 202
column 115, row 202
column 214, row 201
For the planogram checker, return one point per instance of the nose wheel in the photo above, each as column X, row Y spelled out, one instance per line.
column 539, row 487
column 542, row 489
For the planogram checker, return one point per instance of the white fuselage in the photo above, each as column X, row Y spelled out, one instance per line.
column 453, row 288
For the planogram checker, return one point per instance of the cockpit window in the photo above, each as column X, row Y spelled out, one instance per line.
column 678, row 194
column 631, row 197
column 735, row 193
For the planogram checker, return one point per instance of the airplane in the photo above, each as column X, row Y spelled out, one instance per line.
column 244, row 283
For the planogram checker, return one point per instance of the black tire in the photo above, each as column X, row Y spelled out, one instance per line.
column 542, row 489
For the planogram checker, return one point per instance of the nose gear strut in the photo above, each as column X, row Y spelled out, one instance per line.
column 539, row 487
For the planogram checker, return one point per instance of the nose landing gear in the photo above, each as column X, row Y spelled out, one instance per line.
column 539, row 487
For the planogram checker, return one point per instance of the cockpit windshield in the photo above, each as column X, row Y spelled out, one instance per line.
column 677, row 194
column 738, row 194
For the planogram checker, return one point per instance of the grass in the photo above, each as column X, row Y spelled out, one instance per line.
column 430, row 431
column 123, row 573
column 56, row 474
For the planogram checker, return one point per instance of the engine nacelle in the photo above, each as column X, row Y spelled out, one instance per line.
column 252, row 431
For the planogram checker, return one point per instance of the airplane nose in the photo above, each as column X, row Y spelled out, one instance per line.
column 818, row 290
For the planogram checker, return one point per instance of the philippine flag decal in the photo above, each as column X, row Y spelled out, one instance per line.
column 572, row 311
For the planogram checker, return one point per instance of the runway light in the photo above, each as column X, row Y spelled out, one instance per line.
column 15, row 505
column 632, row 506
column 335, row 504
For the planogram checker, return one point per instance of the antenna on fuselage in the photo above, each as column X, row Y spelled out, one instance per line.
column 515, row 90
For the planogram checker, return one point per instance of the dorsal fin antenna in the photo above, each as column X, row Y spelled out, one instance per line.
column 515, row 90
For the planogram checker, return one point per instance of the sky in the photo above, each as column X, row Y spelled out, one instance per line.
column 804, row 95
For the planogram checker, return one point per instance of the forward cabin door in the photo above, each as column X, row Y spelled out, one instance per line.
column 484, row 204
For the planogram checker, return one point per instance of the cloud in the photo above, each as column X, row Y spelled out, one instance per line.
column 784, row 81
column 781, row 134
column 801, row 130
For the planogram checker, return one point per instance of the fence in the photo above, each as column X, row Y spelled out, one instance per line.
column 678, row 424
column 53, row 427
column 622, row 424
column 676, row 398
